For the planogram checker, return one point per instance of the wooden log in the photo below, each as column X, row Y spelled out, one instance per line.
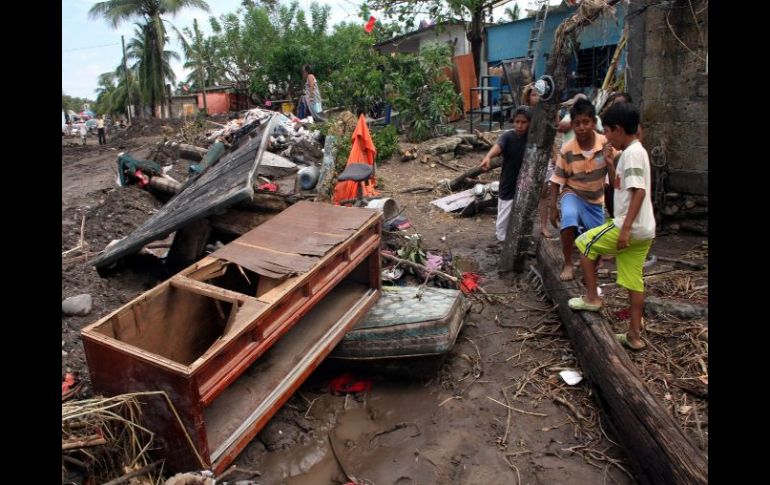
column 656, row 446
column 191, row 152
column 165, row 185
column 459, row 181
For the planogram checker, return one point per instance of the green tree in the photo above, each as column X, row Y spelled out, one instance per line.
column 198, row 52
column 512, row 13
column 440, row 11
column 73, row 103
column 117, row 12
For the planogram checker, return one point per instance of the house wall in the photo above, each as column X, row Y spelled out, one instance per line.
column 671, row 83
column 178, row 103
column 511, row 40
column 413, row 43
column 454, row 34
column 217, row 102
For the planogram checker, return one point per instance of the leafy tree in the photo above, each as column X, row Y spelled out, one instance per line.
column 407, row 10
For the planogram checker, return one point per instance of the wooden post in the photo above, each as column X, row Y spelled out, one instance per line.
column 540, row 143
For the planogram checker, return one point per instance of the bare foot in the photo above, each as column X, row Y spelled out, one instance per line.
column 566, row 273
column 546, row 234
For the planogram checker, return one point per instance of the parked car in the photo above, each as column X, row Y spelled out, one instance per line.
column 91, row 125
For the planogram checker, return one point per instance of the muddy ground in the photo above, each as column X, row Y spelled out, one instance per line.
column 491, row 413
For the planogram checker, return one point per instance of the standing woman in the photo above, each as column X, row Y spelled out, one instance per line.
column 312, row 94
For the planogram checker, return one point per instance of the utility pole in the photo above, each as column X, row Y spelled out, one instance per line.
column 128, row 84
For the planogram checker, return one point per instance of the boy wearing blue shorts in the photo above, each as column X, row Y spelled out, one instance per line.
column 580, row 171
column 630, row 235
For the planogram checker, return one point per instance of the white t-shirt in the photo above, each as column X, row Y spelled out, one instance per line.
column 633, row 171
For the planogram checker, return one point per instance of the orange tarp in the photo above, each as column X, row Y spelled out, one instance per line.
column 466, row 76
column 361, row 151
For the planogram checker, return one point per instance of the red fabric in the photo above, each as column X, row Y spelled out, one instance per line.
column 362, row 151
column 143, row 179
column 269, row 187
column 370, row 25
column 347, row 383
column 67, row 383
column 623, row 314
column 469, row 282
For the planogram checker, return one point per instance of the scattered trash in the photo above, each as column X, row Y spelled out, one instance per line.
column 469, row 282
column 68, row 382
column 623, row 314
column 348, row 384
column 433, row 262
column 77, row 305
column 396, row 222
column 571, row 377
column 392, row 274
column 270, row 187
column 684, row 409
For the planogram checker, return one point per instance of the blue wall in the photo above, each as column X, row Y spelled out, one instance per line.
column 510, row 41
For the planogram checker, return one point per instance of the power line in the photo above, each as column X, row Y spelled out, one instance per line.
column 91, row 47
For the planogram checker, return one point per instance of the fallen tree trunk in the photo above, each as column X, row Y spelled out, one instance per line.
column 656, row 446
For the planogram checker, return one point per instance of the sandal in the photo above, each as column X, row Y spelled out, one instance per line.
column 578, row 303
column 623, row 339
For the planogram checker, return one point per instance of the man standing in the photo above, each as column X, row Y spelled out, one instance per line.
column 100, row 130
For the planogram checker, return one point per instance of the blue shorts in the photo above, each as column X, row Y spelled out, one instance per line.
column 576, row 212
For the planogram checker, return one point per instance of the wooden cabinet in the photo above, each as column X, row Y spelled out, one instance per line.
column 232, row 337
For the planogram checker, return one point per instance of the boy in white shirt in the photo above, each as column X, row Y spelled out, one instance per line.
column 630, row 235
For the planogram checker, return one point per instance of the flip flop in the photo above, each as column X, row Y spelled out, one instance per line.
column 623, row 339
column 578, row 303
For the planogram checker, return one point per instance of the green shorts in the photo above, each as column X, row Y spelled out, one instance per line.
column 603, row 240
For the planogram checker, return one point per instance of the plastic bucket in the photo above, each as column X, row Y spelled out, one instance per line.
column 386, row 205
column 308, row 177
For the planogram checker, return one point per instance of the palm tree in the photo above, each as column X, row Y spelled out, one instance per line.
column 512, row 13
column 197, row 51
column 152, row 72
column 117, row 12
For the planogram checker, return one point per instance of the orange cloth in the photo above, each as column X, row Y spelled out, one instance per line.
column 361, row 151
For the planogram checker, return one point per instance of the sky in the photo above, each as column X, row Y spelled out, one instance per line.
column 91, row 47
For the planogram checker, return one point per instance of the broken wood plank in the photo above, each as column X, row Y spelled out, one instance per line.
column 239, row 222
column 221, row 186
column 189, row 243
column 656, row 446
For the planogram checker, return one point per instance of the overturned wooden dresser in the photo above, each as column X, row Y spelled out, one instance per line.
column 232, row 337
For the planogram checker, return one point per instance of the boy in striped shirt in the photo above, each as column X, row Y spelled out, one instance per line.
column 580, row 171
column 630, row 235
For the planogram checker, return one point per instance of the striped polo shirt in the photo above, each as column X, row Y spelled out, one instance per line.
column 582, row 174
